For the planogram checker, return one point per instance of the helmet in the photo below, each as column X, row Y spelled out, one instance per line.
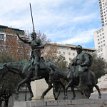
column 79, row 47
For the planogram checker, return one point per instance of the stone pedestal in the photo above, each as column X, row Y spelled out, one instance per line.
column 63, row 103
column 38, row 87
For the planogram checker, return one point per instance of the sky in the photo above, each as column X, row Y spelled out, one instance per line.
column 62, row 21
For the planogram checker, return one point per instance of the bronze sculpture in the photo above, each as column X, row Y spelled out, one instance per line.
column 33, row 65
column 81, row 75
column 17, row 68
column 81, row 64
column 28, row 72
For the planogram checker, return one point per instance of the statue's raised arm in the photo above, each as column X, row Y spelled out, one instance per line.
column 25, row 41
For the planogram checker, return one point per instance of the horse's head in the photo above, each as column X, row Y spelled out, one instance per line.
column 10, row 67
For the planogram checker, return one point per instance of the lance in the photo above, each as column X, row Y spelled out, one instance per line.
column 32, row 18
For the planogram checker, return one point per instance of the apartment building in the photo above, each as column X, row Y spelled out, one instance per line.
column 100, row 37
column 68, row 51
column 10, row 43
column 103, row 11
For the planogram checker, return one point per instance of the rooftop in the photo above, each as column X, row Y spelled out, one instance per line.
column 4, row 28
column 70, row 46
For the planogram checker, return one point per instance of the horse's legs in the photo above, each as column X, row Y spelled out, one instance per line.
column 21, row 83
column 63, row 88
column 45, row 92
column 25, row 80
column 74, row 95
column 54, row 91
column 96, row 86
column 66, row 88
column 30, row 90
column 59, row 84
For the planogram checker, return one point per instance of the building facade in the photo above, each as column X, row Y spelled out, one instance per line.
column 67, row 51
column 11, row 45
column 100, row 37
column 103, row 11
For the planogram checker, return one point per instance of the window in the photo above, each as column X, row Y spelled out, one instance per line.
column 1, row 36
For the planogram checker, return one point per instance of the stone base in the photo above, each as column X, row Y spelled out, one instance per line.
column 38, row 87
column 63, row 103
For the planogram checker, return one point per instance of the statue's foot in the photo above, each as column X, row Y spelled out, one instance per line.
column 99, row 97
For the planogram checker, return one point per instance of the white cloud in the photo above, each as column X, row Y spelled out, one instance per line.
column 83, row 37
column 53, row 17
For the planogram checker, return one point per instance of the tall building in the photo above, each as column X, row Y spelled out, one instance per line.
column 100, row 37
column 103, row 11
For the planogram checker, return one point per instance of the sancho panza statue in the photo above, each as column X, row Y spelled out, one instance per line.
column 82, row 64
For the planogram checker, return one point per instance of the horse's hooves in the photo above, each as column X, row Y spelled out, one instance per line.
column 99, row 97
column 56, row 98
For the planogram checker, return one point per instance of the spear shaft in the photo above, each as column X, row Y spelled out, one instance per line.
column 32, row 18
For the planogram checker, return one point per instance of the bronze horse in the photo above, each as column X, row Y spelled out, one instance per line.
column 44, row 73
column 73, row 82
column 47, row 74
column 85, row 89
